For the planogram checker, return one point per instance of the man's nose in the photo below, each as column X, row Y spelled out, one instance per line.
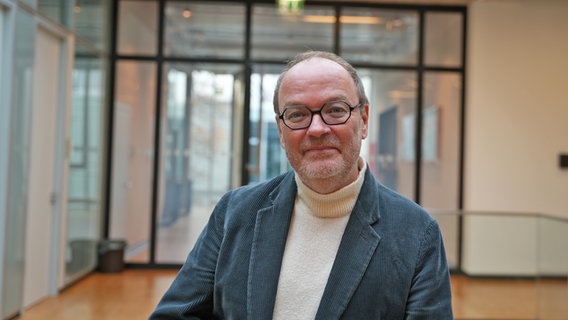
column 318, row 127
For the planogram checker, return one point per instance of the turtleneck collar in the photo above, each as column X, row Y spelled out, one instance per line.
column 334, row 205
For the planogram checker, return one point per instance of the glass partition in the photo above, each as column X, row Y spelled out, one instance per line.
column 18, row 160
column 552, row 286
column 379, row 36
column 138, row 27
column 133, row 157
column 197, row 138
column 84, row 216
column 441, row 123
column 201, row 29
column 508, row 266
column 443, row 33
column 389, row 145
column 280, row 37
column 267, row 159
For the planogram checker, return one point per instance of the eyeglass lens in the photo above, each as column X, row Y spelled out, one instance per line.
column 333, row 112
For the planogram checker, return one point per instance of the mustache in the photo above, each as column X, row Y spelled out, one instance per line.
column 320, row 142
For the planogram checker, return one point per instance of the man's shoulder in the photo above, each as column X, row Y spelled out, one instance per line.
column 394, row 204
column 261, row 191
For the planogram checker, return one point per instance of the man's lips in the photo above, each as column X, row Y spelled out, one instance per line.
column 320, row 149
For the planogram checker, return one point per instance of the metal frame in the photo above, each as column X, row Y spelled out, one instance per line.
column 420, row 68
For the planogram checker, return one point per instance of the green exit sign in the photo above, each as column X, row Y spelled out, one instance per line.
column 291, row 6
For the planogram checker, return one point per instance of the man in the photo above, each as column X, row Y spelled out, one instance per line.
column 326, row 241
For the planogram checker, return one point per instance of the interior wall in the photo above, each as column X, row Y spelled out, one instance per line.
column 517, row 109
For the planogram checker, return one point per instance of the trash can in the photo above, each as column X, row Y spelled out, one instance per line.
column 111, row 255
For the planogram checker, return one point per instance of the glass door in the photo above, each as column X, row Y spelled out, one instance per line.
column 199, row 142
column 18, row 157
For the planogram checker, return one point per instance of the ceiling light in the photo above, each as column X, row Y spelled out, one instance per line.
column 342, row 19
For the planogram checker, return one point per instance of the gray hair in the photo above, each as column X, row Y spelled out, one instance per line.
column 324, row 55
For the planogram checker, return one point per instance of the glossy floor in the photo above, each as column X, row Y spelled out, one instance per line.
column 133, row 294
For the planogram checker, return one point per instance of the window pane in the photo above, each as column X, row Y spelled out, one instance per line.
column 138, row 27
column 280, row 37
column 18, row 161
column 90, row 22
column 267, row 159
column 443, row 39
column 196, row 151
column 379, row 36
column 85, row 171
column 58, row 10
column 209, row 30
column 133, row 156
column 390, row 144
column 440, row 141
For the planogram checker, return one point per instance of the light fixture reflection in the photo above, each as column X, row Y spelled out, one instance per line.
column 186, row 13
column 342, row 19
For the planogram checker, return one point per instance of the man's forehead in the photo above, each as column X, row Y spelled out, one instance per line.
column 315, row 68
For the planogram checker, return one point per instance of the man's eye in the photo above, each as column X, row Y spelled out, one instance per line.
column 296, row 116
column 336, row 111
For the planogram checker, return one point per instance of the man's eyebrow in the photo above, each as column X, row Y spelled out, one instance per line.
column 301, row 104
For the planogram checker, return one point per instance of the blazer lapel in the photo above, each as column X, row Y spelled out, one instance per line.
column 269, row 240
column 357, row 247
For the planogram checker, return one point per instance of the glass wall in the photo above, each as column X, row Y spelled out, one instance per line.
column 197, row 125
column 138, row 27
column 389, row 148
column 380, row 36
column 18, row 160
column 441, row 116
column 211, row 123
column 133, row 156
column 76, row 236
column 266, row 157
column 193, row 30
column 276, row 37
column 87, row 150
column 84, row 220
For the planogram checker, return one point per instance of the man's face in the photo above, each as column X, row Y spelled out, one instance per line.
column 324, row 156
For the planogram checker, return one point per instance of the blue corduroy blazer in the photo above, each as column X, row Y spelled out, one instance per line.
column 391, row 262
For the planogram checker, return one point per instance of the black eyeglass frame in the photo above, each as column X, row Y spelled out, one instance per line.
column 312, row 112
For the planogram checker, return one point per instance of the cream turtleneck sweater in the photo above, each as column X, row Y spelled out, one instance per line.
column 316, row 229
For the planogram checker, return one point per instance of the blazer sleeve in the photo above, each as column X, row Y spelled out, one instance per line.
column 430, row 293
column 190, row 295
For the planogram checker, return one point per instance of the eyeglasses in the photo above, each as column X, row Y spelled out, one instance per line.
column 332, row 113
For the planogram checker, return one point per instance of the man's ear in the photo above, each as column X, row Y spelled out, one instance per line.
column 365, row 118
column 279, row 126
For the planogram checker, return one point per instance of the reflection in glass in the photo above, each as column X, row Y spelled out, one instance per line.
column 91, row 22
column 18, row 160
column 379, row 36
column 267, row 159
column 86, row 18
column 449, row 222
column 443, row 39
column 57, row 10
column 85, row 171
column 133, row 156
column 392, row 96
column 441, row 116
column 281, row 37
column 196, row 152
column 552, row 286
column 209, row 30
column 138, row 27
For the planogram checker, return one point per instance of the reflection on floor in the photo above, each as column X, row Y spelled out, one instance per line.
column 175, row 240
column 133, row 294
